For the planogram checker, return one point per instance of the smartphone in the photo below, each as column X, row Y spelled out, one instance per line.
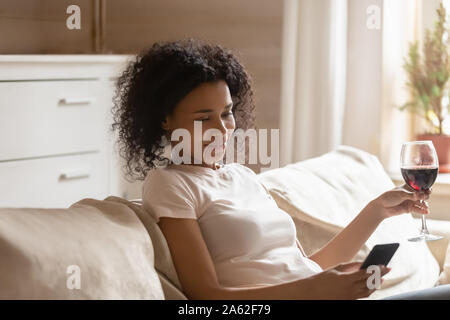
column 381, row 254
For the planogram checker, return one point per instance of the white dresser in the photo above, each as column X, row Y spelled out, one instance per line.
column 55, row 143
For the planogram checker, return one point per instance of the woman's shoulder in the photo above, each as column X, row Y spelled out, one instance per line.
column 159, row 172
column 161, row 176
column 167, row 182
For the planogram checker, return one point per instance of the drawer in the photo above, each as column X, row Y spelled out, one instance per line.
column 41, row 118
column 55, row 182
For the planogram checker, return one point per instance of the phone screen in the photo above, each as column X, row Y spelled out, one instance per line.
column 381, row 254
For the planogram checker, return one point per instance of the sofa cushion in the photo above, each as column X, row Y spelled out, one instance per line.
column 440, row 248
column 92, row 250
column 163, row 259
column 325, row 193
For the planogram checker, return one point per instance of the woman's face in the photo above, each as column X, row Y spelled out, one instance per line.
column 210, row 104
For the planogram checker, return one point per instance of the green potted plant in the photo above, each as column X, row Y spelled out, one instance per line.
column 428, row 82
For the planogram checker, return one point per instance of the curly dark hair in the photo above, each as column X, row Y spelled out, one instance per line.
column 152, row 85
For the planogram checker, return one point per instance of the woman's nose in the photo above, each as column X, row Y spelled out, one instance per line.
column 221, row 125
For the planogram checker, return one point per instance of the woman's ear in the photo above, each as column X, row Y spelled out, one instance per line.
column 165, row 124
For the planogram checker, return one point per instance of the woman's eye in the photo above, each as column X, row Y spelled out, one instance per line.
column 224, row 115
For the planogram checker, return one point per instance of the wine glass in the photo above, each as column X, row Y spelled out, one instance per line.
column 419, row 166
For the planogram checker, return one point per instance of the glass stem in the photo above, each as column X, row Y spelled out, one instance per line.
column 424, row 222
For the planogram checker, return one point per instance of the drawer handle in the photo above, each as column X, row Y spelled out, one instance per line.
column 75, row 174
column 68, row 101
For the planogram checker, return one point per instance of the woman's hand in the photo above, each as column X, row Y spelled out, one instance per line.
column 402, row 199
column 343, row 282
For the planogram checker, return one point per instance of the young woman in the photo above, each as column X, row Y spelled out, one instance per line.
column 227, row 237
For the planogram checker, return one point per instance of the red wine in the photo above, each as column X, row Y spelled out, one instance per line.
column 420, row 178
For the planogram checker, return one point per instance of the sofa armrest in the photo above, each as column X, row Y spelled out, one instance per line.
column 438, row 248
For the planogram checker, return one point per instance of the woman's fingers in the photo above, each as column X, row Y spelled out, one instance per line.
column 364, row 292
column 349, row 267
column 418, row 207
column 415, row 207
column 360, row 275
column 419, row 195
column 366, row 285
column 366, row 289
column 409, row 206
column 398, row 195
column 361, row 284
column 364, row 274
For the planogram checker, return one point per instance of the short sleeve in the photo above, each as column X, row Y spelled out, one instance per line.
column 165, row 195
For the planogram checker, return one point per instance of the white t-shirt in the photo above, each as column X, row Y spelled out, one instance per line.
column 250, row 239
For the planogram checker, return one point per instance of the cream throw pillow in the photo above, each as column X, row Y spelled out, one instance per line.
column 44, row 250
column 325, row 193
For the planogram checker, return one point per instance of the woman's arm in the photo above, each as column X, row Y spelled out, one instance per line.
column 344, row 246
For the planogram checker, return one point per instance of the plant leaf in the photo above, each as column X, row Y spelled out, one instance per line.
column 425, row 100
column 409, row 105
column 435, row 91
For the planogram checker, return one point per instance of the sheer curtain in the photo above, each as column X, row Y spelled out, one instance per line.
column 342, row 81
column 313, row 78
column 402, row 23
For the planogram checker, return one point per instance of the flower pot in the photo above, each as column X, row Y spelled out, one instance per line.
column 441, row 143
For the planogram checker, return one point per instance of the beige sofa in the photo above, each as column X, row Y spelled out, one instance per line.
column 113, row 249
